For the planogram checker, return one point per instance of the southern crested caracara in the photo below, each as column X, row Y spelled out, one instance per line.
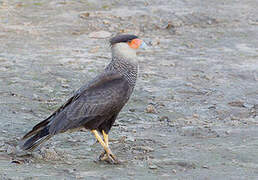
column 95, row 106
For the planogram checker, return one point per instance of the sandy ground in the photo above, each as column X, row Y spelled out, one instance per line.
column 194, row 112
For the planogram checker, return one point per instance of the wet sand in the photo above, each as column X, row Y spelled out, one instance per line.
column 193, row 114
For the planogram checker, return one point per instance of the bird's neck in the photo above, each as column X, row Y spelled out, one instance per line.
column 124, row 61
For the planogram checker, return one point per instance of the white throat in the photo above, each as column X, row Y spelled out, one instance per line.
column 124, row 51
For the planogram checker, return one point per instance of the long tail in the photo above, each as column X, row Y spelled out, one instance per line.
column 38, row 135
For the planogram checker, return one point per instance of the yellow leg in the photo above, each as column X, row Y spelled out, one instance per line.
column 105, row 136
column 109, row 154
column 95, row 132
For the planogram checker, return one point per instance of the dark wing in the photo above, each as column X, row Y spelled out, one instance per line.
column 104, row 96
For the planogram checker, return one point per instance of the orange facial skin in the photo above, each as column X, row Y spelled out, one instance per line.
column 135, row 43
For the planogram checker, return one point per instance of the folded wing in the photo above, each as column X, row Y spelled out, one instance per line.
column 99, row 100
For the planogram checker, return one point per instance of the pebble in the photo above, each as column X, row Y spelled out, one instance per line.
column 84, row 15
column 50, row 154
column 132, row 110
column 35, row 96
column 37, row 156
column 195, row 116
column 100, row 34
column 150, row 109
column 165, row 175
column 130, row 173
column 205, row 167
column 70, row 171
column 65, row 86
column 143, row 148
column 227, row 132
column 94, row 49
column 236, row 104
column 155, row 42
column 153, row 166
column 10, row 150
column 17, row 161
column 106, row 22
column 38, row 166
column 164, row 118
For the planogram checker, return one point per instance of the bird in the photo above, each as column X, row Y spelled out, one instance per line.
column 96, row 105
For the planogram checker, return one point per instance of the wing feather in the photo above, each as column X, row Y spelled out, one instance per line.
column 103, row 97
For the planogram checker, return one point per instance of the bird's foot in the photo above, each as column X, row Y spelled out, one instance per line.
column 110, row 158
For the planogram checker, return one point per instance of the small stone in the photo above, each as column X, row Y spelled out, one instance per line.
column 84, row 15
column 195, row 116
column 106, row 22
column 164, row 118
column 122, row 139
column 65, row 85
column 94, row 49
column 212, row 107
column 132, row 110
column 131, row 173
column 164, row 146
column 155, row 42
column 16, row 161
column 170, row 25
column 153, row 166
column 205, row 167
column 68, row 162
column 100, row 34
column 37, row 156
column 233, row 118
column 10, row 150
column 150, row 109
column 246, row 105
column 50, row 154
column 38, row 166
column 143, row 148
column 174, row 171
column 35, row 96
column 70, row 171
column 236, row 104
column 130, row 138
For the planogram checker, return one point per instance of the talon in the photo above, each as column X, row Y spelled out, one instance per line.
column 110, row 158
column 107, row 155
column 102, row 156
column 114, row 159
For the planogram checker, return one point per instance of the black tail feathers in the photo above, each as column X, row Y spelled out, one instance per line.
column 33, row 139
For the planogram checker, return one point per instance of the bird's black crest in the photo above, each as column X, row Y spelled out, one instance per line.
column 122, row 38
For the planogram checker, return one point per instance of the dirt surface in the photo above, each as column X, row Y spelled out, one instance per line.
column 193, row 114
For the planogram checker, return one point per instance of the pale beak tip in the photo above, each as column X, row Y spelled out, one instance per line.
column 144, row 45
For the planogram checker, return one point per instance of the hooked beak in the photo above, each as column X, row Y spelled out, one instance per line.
column 143, row 45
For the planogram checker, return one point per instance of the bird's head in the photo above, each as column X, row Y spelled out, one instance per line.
column 131, row 40
column 126, row 45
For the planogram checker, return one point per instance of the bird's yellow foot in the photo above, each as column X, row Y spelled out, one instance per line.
column 109, row 157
